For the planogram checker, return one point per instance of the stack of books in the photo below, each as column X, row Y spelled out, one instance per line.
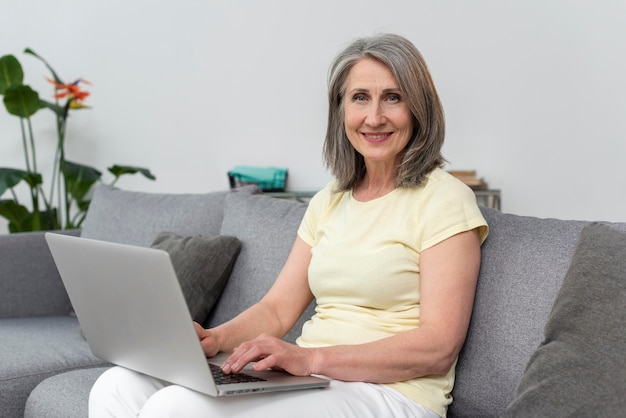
column 469, row 177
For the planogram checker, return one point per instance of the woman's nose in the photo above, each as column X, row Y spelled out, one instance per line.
column 375, row 114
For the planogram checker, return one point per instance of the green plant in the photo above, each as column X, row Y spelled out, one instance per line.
column 71, row 182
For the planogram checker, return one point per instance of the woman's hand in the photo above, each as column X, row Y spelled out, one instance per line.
column 271, row 314
column 271, row 353
column 208, row 340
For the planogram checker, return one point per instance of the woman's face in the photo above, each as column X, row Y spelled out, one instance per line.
column 377, row 120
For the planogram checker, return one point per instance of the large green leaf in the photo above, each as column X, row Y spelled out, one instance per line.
column 20, row 219
column 34, row 180
column 10, row 177
column 119, row 170
column 21, row 100
column 79, row 179
column 10, row 72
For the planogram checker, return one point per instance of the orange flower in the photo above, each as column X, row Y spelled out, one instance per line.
column 71, row 91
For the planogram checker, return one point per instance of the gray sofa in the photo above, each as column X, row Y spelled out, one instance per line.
column 525, row 355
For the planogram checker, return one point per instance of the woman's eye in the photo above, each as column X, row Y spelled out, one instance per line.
column 394, row 98
column 359, row 98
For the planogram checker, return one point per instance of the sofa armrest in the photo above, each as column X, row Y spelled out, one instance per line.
column 30, row 284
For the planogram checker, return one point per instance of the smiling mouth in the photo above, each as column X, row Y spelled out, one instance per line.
column 376, row 136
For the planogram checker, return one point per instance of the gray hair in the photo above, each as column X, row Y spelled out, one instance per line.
column 423, row 151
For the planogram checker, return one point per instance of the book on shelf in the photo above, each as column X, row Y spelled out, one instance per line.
column 470, row 178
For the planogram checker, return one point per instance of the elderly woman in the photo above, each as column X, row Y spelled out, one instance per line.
column 390, row 250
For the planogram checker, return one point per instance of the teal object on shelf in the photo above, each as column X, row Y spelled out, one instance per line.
column 269, row 179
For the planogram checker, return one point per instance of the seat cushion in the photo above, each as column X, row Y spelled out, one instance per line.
column 33, row 349
column 65, row 395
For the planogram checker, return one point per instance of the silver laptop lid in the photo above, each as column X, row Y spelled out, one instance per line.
column 130, row 315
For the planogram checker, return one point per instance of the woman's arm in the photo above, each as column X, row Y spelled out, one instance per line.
column 448, row 275
column 275, row 314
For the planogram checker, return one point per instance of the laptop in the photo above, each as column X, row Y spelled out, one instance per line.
column 133, row 314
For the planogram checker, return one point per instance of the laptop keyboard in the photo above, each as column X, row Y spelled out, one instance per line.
column 226, row 379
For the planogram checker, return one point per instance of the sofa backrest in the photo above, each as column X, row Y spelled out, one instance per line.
column 524, row 262
column 136, row 218
column 30, row 284
column 267, row 228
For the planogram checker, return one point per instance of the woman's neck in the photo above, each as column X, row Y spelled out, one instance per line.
column 373, row 186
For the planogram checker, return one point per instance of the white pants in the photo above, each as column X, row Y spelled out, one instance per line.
column 120, row 392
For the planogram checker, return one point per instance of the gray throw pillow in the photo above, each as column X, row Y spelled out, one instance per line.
column 135, row 218
column 580, row 367
column 203, row 265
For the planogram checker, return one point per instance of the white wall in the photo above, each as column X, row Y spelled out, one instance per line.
column 534, row 91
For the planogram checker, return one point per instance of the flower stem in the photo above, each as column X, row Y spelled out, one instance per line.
column 25, row 145
column 66, row 193
column 31, row 168
column 32, row 145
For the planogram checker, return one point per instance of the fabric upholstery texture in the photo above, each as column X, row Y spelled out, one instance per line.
column 33, row 349
column 524, row 261
column 64, row 395
column 267, row 229
column 580, row 367
column 202, row 265
column 136, row 218
column 30, row 284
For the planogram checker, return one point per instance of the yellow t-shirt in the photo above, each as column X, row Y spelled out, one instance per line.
column 364, row 270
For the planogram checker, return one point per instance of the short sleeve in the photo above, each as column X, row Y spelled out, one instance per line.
column 449, row 208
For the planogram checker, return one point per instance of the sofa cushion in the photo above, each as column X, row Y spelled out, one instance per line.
column 267, row 228
column 202, row 265
column 30, row 284
column 524, row 260
column 32, row 349
column 65, row 395
column 580, row 367
column 135, row 218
